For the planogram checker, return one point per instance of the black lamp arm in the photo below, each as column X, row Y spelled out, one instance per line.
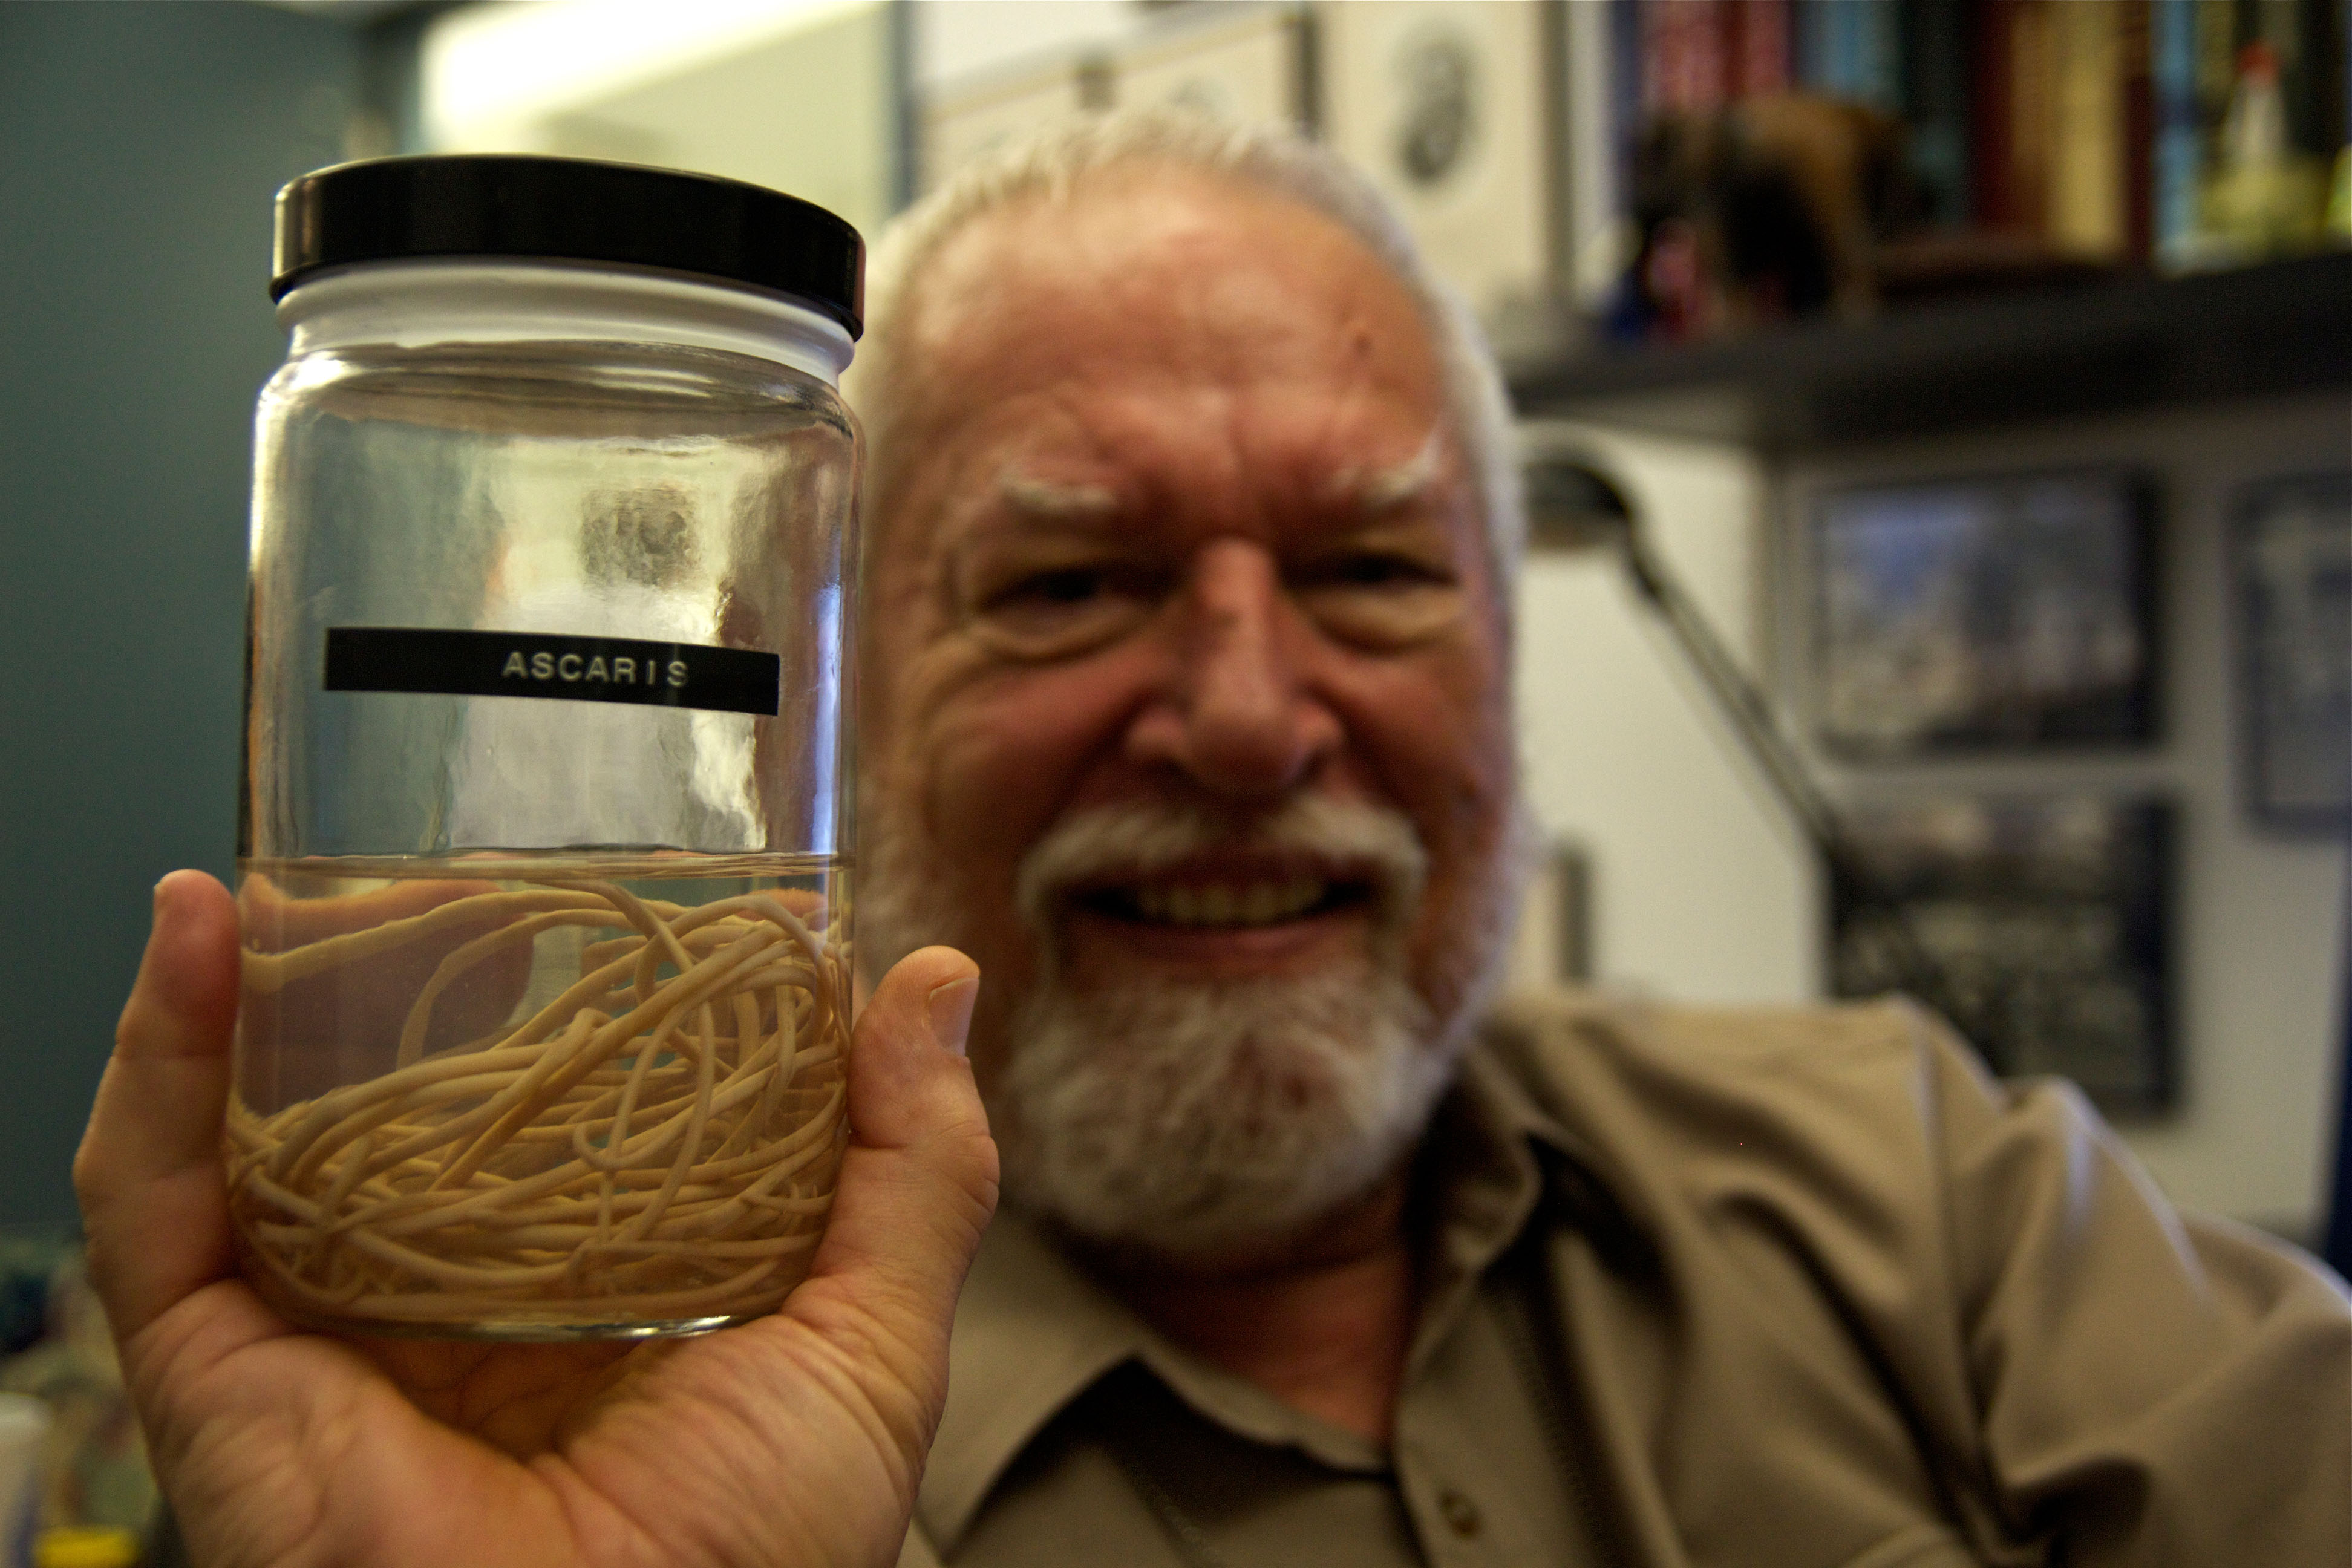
column 1744, row 709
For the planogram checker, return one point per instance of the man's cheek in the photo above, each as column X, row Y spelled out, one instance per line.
column 1001, row 761
column 973, row 808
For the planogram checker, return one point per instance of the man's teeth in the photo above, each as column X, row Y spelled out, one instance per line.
column 1229, row 903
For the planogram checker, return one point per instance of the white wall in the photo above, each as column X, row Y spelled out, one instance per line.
column 799, row 95
column 1700, row 890
column 795, row 94
column 956, row 40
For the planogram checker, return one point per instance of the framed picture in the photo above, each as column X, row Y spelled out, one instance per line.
column 964, row 123
column 1451, row 107
column 1250, row 67
column 1552, row 944
column 2007, row 614
column 2290, row 581
column 2039, row 927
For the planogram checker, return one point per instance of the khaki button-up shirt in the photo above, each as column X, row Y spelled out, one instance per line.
column 1772, row 1290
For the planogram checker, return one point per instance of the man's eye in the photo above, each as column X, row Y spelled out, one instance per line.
column 1062, row 610
column 1378, row 598
column 1379, row 572
column 1070, row 585
column 1372, row 569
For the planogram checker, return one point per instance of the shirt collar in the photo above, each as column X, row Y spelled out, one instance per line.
column 1034, row 1330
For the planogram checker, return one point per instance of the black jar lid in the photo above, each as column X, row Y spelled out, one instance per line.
column 571, row 209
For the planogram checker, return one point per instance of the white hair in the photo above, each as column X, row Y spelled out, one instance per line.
column 1054, row 164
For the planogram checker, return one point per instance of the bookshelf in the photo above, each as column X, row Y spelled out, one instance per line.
column 2277, row 328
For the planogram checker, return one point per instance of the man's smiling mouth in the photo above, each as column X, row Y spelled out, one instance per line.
column 1224, row 902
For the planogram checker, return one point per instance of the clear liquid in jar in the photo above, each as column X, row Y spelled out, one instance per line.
column 538, row 1096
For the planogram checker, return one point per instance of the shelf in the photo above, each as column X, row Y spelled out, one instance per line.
column 2279, row 328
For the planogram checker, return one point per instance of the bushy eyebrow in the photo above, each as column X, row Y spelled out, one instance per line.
column 1379, row 492
column 1050, row 502
column 1376, row 492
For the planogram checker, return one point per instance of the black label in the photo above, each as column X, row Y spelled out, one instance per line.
column 537, row 664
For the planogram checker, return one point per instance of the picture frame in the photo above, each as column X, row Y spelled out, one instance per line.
column 1246, row 64
column 2290, row 552
column 1420, row 94
column 2040, row 927
column 1551, row 945
column 1998, row 614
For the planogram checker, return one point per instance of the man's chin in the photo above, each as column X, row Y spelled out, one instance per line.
column 1206, row 1125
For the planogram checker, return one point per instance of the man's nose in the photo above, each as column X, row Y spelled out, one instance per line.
column 1236, row 714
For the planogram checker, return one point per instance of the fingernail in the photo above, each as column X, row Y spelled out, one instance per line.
column 949, row 1012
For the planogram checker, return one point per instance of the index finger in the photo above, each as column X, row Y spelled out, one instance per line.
column 154, row 1190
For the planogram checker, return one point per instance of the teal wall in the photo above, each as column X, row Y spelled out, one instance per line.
column 140, row 146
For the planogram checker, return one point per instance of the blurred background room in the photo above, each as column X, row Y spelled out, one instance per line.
column 1975, row 375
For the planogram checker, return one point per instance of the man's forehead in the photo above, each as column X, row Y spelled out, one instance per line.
column 1167, row 261
column 1162, row 328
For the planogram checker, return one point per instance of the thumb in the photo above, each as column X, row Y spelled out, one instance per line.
column 919, row 1180
column 148, row 1173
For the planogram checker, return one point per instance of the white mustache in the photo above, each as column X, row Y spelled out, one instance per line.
column 1113, row 843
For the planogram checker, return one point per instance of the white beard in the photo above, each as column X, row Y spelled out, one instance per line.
column 1193, row 1121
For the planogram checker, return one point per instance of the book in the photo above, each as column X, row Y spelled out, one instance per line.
column 1875, row 53
column 1993, row 197
column 2085, row 212
column 1851, row 49
column 1683, row 56
column 2030, row 101
column 2178, row 161
column 1814, row 45
column 1935, row 60
column 2135, row 131
column 1758, row 48
column 2302, row 36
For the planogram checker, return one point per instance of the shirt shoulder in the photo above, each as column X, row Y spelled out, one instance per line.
column 1550, row 1027
column 1879, row 1082
column 1851, row 1185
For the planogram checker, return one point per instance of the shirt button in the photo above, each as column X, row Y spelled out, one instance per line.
column 1462, row 1515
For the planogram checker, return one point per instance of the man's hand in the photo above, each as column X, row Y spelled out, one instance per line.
column 795, row 1440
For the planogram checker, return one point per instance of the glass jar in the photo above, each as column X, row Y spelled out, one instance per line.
column 543, row 881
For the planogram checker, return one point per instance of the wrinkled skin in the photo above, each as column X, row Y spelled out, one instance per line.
column 1226, row 619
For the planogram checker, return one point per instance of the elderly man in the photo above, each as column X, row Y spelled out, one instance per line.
column 1191, row 544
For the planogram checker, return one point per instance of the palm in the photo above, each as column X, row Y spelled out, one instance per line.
column 795, row 1440
column 587, row 1455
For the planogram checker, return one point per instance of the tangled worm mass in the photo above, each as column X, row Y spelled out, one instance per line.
column 657, row 1145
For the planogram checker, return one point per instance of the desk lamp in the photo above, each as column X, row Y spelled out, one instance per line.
column 1573, row 506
